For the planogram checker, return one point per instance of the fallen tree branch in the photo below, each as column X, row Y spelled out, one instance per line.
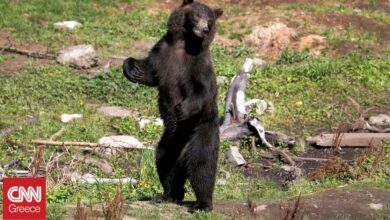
column 81, row 144
column 29, row 53
column 8, row 130
column 235, row 131
column 350, row 139
column 12, row 163
column 296, row 158
column 89, row 178
column 57, row 134
column 261, row 132
column 235, row 97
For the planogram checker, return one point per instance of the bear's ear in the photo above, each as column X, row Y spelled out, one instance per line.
column 187, row 2
column 218, row 13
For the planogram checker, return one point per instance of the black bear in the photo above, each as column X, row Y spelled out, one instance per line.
column 180, row 66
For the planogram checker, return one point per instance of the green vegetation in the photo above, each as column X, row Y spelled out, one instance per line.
column 309, row 93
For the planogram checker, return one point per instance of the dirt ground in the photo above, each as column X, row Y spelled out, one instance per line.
column 262, row 168
column 15, row 63
column 351, row 204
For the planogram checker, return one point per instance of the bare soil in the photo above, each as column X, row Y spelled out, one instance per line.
column 15, row 63
column 361, row 24
column 382, row 5
column 330, row 204
column 263, row 167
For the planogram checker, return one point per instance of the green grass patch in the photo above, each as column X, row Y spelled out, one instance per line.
column 105, row 26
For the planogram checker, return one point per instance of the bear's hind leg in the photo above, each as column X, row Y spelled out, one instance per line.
column 166, row 159
column 202, row 166
column 178, row 181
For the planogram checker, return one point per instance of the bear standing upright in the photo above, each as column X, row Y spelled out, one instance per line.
column 180, row 66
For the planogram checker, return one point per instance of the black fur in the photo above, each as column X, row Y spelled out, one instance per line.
column 180, row 66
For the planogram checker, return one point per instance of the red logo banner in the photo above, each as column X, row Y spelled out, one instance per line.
column 24, row 198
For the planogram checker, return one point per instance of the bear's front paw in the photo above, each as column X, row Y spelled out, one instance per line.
column 131, row 70
column 181, row 111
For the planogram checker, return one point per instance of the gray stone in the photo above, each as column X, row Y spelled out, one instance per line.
column 115, row 111
column 376, row 206
column 80, row 56
column 121, row 141
column 221, row 80
column 379, row 120
column 67, row 25
column 142, row 122
column 66, row 118
column 259, row 62
column 233, row 156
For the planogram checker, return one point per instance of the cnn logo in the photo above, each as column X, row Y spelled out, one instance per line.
column 24, row 198
column 23, row 194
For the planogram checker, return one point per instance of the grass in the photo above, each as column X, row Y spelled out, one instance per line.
column 308, row 94
column 30, row 22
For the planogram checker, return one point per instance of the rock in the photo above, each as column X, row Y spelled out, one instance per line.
column 72, row 176
column 259, row 62
column 115, row 111
column 104, row 166
column 80, row 56
column 270, row 108
column 270, row 39
column 143, row 122
column 259, row 208
column 261, row 105
column 315, row 43
column 67, row 25
column 379, row 120
column 66, row 118
column 287, row 168
column 376, row 206
column 221, row 182
column 221, row 80
column 121, row 141
column 159, row 122
column 234, row 157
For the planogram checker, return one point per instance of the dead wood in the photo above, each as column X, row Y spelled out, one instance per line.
column 35, row 165
column 29, row 53
column 235, row 97
column 235, row 131
column 79, row 144
column 350, row 139
column 12, row 163
column 104, row 166
column 89, row 178
column 9, row 130
column 279, row 138
column 238, row 124
column 57, row 134
column 261, row 133
column 296, row 158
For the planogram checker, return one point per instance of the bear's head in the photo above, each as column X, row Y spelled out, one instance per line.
column 195, row 19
